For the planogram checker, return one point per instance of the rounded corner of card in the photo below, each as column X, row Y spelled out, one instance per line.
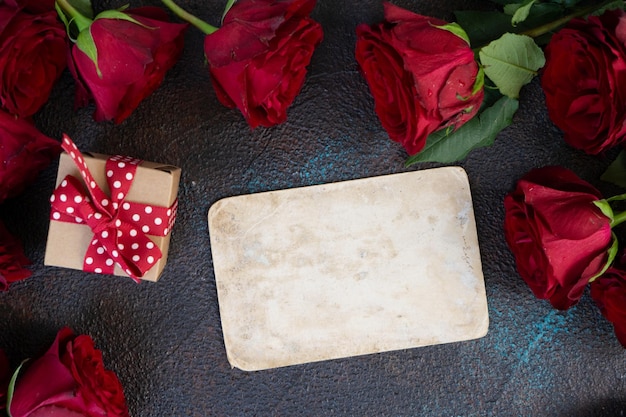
column 215, row 208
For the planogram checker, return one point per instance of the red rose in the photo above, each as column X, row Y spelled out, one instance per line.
column 133, row 51
column 33, row 54
column 609, row 293
column 258, row 58
column 422, row 76
column 559, row 237
column 12, row 260
column 584, row 80
column 32, row 6
column 24, row 151
column 69, row 380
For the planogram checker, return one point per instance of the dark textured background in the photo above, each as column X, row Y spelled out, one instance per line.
column 164, row 339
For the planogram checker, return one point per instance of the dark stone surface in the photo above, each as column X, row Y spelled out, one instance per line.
column 164, row 339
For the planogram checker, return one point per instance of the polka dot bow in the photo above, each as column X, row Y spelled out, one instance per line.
column 120, row 227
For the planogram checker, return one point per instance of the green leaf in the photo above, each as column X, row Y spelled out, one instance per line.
column 85, row 43
column 605, row 208
column 611, row 254
column 480, row 131
column 566, row 3
column 511, row 8
column 479, row 32
column 522, row 12
column 484, row 27
column 479, row 83
column 616, row 172
column 511, row 62
column 11, row 387
column 615, row 5
column 456, row 29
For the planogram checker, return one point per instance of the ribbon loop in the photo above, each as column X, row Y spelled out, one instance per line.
column 120, row 227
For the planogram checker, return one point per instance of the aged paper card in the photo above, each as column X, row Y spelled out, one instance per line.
column 348, row 268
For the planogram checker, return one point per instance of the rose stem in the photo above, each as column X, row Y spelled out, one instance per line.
column 227, row 8
column 188, row 17
column 548, row 27
column 619, row 218
column 82, row 22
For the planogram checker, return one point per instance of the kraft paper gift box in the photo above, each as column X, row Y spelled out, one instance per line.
column 153, row 189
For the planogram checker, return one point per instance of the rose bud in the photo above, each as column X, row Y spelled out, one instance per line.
column 68, row 380
column 585, row 82
column 560, row 238
column 258, row 58
column 423, row 77
column 24, row 152
column 609, row 293
column 121, row 57
column 33, row 54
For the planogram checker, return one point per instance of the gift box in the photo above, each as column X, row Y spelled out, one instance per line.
column 111, row 214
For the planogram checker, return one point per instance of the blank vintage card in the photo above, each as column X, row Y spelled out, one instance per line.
column 348, row 268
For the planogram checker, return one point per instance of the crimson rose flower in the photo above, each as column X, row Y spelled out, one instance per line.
column 609, row 293
column 122, row 57
column 12, row 260
column 559, row 237
column 24, row 151
column 69, row 380
column 258, row 58
column 585, row 81
column 33, row 53
column 423, row 77
column 32, row 6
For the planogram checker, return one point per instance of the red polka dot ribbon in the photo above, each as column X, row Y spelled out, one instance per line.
column 120, row 227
